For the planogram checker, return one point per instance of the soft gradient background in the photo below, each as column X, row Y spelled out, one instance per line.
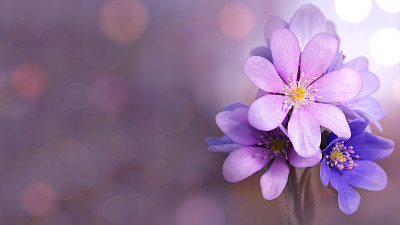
column 104, row 105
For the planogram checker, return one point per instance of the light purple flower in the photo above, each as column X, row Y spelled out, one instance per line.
column 258, row 148
column 349, row 163
column 296, row 81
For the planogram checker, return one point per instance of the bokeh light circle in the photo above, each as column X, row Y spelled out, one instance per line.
column 200, row 210
column 158, row 172
column 66, row 166
column 384, row 46
column 236, row 20
column 123, row 21
column 35, row 202
column 353, row 11
column 28, row 29
column 390, row 6
column 123, row 148
column 172, row 39
column 131, row 208
column 28, row 79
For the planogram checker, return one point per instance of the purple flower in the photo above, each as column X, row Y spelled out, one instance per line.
column 350, row 163
column 257, row 149
column 297, row 81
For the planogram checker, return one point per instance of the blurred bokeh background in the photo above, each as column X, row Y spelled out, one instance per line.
column 104, row 105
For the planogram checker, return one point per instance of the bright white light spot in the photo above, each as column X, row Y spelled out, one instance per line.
column 385, row 46
column 390, row 6
column 353, row 11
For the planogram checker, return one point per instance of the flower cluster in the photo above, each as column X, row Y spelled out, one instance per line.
column 305, row 87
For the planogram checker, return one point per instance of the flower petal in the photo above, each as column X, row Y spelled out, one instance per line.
column 304, row 133
column 339, row 86
column 218, row 141
column 226, row 148
column 242, row 163
column 298, row 161
column 274, row 180
column 348, row 198
column 270, row 25
column 307, row 22
column 367, row 175
column 264, row 52
column 285, row 54
column 325, row 172
column 318, row 55
column 371, row 147
column 369, row 106
column 267, row 112
column 263, row 74
column 360, row 64
column 358, row 125
column 236, row 126
column 331, row 117
column 235, row 105
column 260, row 93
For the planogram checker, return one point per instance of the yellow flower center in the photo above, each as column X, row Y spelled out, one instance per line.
column 277, row 145
column 298, row 93
column 337, row 154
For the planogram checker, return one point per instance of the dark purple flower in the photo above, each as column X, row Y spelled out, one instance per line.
column 256, row 149
column 349, row 163
column 296, row 80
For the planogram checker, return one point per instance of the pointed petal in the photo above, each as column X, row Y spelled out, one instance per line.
column 331, row 28
column 331, row 117
column 350, row 114
column 339, row 86
column 263, row 74
column 300, row 162
column 264, row 52
column 348, row 198
column 285, row 54
column 234, row 106
column 270, row 25
column 307, row 22
column 218, row 140
column 325, row 172
column 367, row 175
column 274, row 180
column 371, row 147
column 358, row 125
column 242, row 163
column 304, row 133
column 267, row 112
column 226, row 148
column 318, row 55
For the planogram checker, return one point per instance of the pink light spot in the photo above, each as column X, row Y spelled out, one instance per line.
column 236, row 20
column 28, row 80
column 35, row 202
column 123, row 21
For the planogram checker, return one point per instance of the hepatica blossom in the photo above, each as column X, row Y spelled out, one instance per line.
column 304, row 87
column 349, row 163
column 296, row 81
column 253, row 149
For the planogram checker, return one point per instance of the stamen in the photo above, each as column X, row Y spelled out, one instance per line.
column 300, row 92
column 342, row 157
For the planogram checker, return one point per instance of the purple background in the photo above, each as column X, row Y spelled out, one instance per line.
column 104, row 106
